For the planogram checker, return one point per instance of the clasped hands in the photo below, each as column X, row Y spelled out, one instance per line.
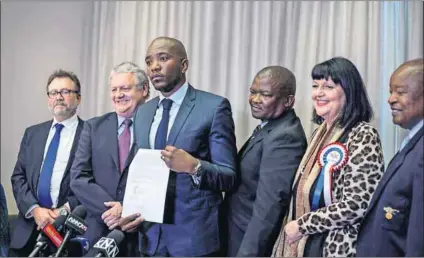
column 44, row 216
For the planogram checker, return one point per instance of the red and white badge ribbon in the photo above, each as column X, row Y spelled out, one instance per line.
column 331, row 158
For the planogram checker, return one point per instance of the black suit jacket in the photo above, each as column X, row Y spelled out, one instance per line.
column 95, row 174
column 266, row 168
column 25, row 178
column 400, row 188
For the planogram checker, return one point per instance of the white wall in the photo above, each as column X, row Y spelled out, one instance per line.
column 36, row 39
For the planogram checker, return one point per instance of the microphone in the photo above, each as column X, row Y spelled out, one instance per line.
column 108, row 246
column 74, row 224
column 49, row 232
column 76, row 247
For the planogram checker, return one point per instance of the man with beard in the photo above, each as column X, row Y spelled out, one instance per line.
column 40, row 180
column 195, row 132
column 99, row 173
column 393, row 224
column 267, row 164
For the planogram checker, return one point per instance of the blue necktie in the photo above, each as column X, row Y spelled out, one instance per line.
column 44, row 198
column 162, row 132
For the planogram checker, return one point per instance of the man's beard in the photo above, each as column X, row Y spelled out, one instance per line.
column 64, row 113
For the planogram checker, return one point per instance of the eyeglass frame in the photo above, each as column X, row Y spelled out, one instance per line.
column 60, row 92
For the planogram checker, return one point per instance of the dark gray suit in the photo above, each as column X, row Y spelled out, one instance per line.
column 25, row 181
column 266, row 168
column 95, row 174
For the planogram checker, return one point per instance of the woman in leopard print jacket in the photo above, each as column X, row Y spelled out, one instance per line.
column 339, row 171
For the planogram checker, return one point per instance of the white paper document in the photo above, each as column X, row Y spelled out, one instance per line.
column 146, row 186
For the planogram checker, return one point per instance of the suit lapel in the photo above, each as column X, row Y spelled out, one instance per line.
column 142, row 128
column 74, row 146
column 38, row 150
column 264, row 132
column 111, row 137
column 393, row 166
column 130, row 157
column 182, row 115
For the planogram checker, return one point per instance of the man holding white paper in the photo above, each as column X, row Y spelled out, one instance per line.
column 195, row 132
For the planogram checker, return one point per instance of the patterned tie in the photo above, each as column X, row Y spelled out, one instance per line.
column 162, row 132
column 256, row 131
column 44, row 198
column 124, row 144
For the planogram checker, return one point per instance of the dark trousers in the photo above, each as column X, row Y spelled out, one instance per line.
column 27, row 249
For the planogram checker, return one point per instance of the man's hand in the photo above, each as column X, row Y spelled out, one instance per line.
column 111, row 217
column 43, row 216
column 292, row 232
column 179, row 160
column 130, row 224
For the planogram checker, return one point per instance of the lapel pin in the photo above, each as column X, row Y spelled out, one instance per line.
column 390, row 212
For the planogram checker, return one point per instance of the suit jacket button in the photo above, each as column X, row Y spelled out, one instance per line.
column 119, row 191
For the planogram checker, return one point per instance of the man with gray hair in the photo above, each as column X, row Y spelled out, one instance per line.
column 99, row 172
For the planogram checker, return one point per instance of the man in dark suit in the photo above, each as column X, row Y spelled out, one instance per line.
column 4, row 226
column 267, row 163
column 393, row 225
column 40, row 180
column 195, row 131
column 99, row 173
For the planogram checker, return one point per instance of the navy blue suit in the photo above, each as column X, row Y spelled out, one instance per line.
column 25, row 179
column 95, row 174
column 204, row 128
column 401, row 188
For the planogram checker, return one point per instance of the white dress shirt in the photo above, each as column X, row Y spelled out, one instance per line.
column 67, row 136
column 177, row 99
column 414, row 130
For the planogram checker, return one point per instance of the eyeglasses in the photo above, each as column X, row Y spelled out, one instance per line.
column 63, row 93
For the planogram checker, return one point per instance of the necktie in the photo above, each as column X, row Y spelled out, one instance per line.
column 124, row 144
column 162, row 132
column 44, row 181
column 256, row 131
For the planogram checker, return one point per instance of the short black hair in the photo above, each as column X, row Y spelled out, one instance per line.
column 342, row 71
column 65, row 74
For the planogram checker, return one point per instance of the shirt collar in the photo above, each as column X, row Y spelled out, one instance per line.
column 178, row 96
column 121, row 120
column 415, row 129
column 263, row 123
column 69, row 123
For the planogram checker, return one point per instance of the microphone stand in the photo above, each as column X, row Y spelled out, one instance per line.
column 65, row 240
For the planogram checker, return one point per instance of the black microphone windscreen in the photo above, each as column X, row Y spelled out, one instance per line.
column 116, row 235
column 80, row 211
column 60, row 220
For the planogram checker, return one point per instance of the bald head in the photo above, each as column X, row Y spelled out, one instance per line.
column 173, row 45
column 407, row 93
column 281, row 76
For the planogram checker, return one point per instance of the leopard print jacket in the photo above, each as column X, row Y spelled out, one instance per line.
column 353, row 187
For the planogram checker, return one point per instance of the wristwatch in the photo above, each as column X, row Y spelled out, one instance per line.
column 63, row 211
column 197, row 169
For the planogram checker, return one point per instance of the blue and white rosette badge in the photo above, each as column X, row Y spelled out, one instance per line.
column 331, row 158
